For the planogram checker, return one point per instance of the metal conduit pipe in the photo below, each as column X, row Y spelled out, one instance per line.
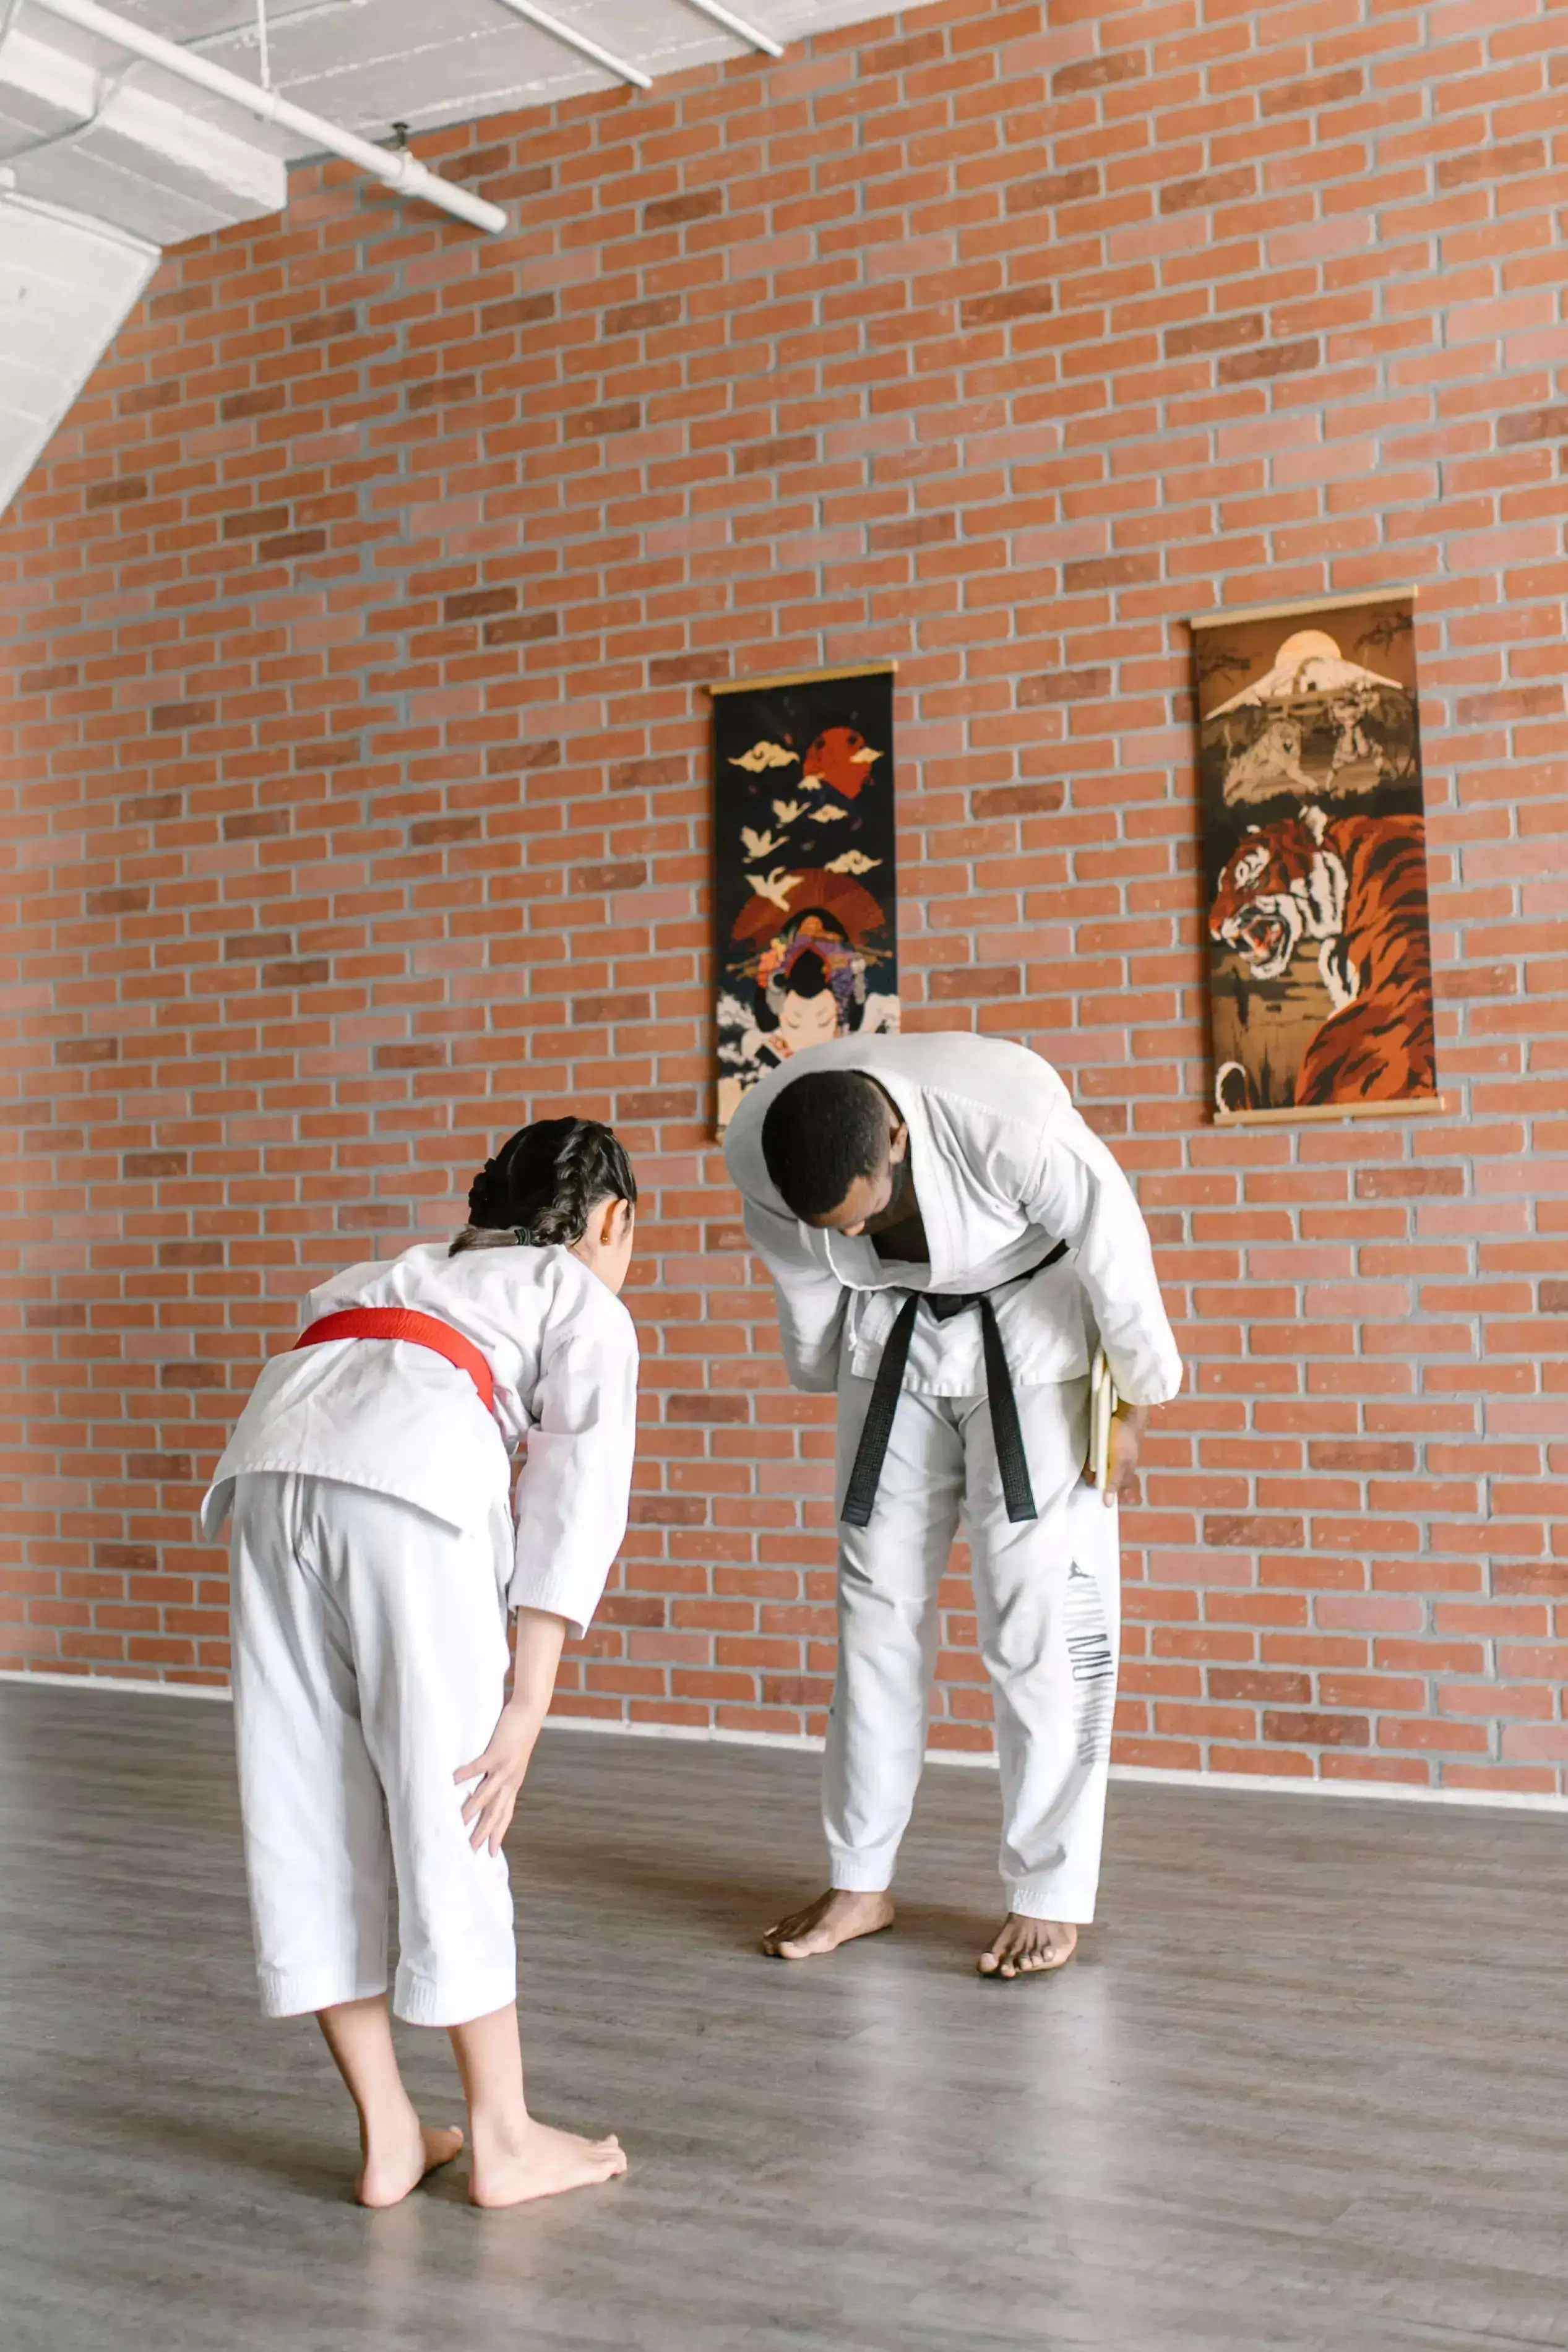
column 717, row 14
column 571, row 38
column 397, row 170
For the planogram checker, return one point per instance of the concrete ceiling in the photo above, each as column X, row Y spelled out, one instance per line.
column 105, row 158
column 71, row 103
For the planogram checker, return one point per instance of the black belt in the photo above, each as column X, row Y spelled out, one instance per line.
column 860, row 1499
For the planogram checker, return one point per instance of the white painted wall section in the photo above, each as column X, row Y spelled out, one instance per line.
column 66, row 284
column 146, row 161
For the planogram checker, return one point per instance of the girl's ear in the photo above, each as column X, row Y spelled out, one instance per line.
column 615, row 1220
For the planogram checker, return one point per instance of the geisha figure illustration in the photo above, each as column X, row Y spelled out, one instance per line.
column 806, row 895
column 809, row 977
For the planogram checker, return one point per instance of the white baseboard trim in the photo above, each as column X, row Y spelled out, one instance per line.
column 708, row 1735
column 1272, row 1784
column 1397, row 1793
column 1269, row 1784
column 219, row 1691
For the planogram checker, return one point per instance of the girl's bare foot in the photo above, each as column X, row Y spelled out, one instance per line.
column 1026, row 1947
column 541, row 2162
column 392, row 2168
column 835, row 1918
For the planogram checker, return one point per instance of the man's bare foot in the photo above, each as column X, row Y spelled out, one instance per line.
column 541, row 2163
column 389, row 2173
column 1026, row 1947
column 835, row 1918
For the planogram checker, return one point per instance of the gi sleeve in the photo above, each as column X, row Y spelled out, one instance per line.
column 810, row 1299
column 1079, row 1194
column 574, row 1488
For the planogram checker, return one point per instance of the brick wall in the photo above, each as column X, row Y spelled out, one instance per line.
column 355, row 800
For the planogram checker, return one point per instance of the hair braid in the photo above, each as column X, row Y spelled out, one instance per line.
column 544, row 1184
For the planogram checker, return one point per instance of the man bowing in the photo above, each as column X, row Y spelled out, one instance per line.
column 949, row 1242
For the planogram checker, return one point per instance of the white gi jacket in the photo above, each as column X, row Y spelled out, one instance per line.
column 1004, row 1168
column 395, row 1416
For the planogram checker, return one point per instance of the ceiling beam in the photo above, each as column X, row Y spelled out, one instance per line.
column 719, row 14
column 571, row 38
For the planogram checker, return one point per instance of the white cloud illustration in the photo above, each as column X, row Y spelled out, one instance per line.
column 765, row 755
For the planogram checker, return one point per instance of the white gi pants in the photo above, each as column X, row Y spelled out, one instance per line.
column 1047, row 1600
column 370, row 1655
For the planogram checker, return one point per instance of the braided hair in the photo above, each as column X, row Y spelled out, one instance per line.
column 544, row 1184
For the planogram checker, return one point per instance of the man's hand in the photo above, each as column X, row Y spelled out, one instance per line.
column 1127, row 1427
column 500, row 1773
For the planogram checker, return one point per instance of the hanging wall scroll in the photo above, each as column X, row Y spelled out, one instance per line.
column 805, row 893
column 1315, row 858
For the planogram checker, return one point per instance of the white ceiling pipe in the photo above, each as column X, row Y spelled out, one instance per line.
column 398, row 170
column 739, row 27
column 573, row 39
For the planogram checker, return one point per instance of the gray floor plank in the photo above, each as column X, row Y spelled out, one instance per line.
column 1305, row 2087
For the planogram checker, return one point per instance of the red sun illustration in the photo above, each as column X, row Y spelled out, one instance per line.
column 842, row 758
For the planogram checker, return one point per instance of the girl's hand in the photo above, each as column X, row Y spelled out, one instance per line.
column 500, row 1773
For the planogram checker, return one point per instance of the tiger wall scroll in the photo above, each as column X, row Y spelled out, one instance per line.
column 1314, row 833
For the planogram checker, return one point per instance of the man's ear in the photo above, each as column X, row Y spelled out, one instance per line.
column 897, row 1145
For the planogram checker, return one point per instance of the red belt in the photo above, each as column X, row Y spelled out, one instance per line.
column 403, row 1323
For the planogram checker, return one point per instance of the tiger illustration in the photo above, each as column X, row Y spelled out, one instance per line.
column 1357, row 885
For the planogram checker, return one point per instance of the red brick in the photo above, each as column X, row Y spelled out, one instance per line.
column 121, row 491
column 1520, row 426
column 1214, row 188
column 1270, row 360
column 1221, row 334
column 675, row 212
column 1097, row 73
column 1053, row 188
column 1486, row 161
column 1063, row 686
column 1408, row 1183
column 1317, row 90
column 1017, row 302
column 1267, row 1533
column 1319, row 1730
column 1019, row 800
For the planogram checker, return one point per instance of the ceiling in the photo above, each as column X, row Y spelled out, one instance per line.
column 105, row 158
column 365, row 64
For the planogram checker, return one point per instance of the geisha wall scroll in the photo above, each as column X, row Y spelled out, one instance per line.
column 804, row 892
column 1314, row 836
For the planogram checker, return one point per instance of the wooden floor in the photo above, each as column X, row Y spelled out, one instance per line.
column 1305, row 2088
